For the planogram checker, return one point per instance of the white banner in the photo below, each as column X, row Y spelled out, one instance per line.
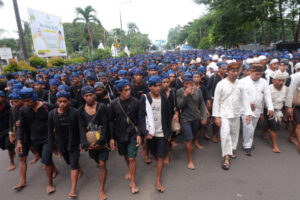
column 47, row 34
column 5, row 53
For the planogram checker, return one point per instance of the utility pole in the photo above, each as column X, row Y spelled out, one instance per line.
column 20, row 30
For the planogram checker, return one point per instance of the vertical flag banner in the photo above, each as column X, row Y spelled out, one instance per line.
column 47, row 34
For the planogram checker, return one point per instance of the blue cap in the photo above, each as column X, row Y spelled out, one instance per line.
column 63, row 87
column 14, row 95
column 122, row 73
column 187, row 76
column 87, row 89
column 2, row 94
column 53, row 82
column 63, row 93
column 121, row 83
column 98, row 84
column 28, row 93
column 153, row 80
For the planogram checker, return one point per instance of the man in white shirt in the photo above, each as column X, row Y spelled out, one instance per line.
column 259, row 94
column 278, row 94
column 229, row 99
column 294, row 113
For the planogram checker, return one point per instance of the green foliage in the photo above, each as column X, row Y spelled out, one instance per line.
column 101, row 54
column 123, row 54
column 14, row 66
column 55, row 62
column 37, row 61
column 204, row 43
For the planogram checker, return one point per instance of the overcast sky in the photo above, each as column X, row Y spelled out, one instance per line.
column 154, row 17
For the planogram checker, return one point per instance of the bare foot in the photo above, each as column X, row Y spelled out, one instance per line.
column 20, row 186
column 72, row 195
column 34, row 160
column 134, row 188
column 214, row 140
column 219, row 139
column 50, row 189
column 206, row 137
column 174, row 144
column 167, row 161
column 292, row 140
column 160, row 188
column 128, row 176
column 11, row 167
column 80, row 173
column 191, row 166
column 276, row 150
column 199, row 146
column 55, row 173
column 146, row 157
column 103, row 195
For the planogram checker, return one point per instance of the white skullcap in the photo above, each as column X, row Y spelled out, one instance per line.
column 193, row 62
column 297, row 66
column 275, row 60
column 255, row 60
column 262, row 57
column 279, row 75
column 198, row 60
column 215, row 57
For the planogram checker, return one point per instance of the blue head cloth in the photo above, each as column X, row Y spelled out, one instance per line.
column 153, row 67
column 192, row 67
column 2, row 94
column 14, row 95
column 2, row 76
column 245, row 66
column 57, row 76
column 102, row 74
column 63, row 74
column 196, row 72
column 91, row 77
column 63, row 87
column 182, row 69
column 202, row 69
column 87, row 89
column 74, row 74
column 171, row 72
column 187, row 76
column 21, row 74
column 164, row 76
column 121, row 83
column 63, row 93
column 29, row 82
column 39, row 82
column 98, row 84
column 153, row 80
column 17, row 86
column 28, row 93
column 53, row 82
column 137, row 71
column 122, row 73
column 222, row 64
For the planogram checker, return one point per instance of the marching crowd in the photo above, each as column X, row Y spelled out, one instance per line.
column 146, row 101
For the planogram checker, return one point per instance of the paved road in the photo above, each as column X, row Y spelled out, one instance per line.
column 264, row 176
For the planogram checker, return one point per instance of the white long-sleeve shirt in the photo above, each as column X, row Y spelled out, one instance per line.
column 258, row 93
column 278, row 96
column 295, row 84
column 230, row 100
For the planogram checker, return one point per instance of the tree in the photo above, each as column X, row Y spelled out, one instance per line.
column 87, row 16
column 1, row 3
column 132, row 28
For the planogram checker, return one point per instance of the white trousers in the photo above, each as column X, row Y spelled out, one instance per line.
column 248, row 131
column 229, row 132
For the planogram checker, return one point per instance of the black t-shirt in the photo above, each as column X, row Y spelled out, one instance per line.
column 64, row 124
column 4, row 119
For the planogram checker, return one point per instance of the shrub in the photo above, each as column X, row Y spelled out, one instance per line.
column 24, row 65
column 35, row 61
column 14, row 66
column 55, row 62
column 101, row 54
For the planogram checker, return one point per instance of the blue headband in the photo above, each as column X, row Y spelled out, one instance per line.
column 87, row 89
column 28, row 93
column 153, row 80
column 122, row 83
column 63, row 93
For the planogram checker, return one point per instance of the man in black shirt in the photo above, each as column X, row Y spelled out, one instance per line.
column 64, row 136
column 123, row 120
column 5, row 143
column 138, row 87
column 33, row 130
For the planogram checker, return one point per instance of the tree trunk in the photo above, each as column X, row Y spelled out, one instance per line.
column 296, row 36
column 281, row 21
column 263, row 32
column 20, row 30
column 90, row 38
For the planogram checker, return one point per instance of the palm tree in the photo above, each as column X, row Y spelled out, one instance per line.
column 87, row 16
column 132, row 28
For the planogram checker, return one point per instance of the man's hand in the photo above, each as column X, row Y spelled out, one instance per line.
column 290, row 113
column 19, row 147
column 149, row 137
column 270, row 113
column 11, row 139
column 169, row 138
column 248, row 119
column 176, row 117
column 187, row 91
column 112, row 144
column 138, row 141
column 204, row 122
column 218, row 121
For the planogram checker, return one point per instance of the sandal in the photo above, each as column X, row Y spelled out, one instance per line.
column 233, row 156
column 225, row 166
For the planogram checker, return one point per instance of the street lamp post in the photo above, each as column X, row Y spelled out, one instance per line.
column 122, row 3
